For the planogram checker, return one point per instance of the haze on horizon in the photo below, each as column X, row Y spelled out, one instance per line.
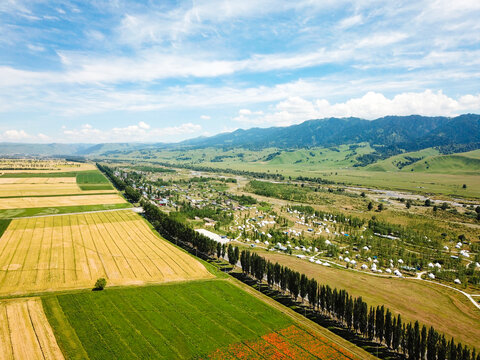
column 116, row 71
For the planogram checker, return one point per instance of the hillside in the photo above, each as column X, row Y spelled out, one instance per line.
column 412, row 132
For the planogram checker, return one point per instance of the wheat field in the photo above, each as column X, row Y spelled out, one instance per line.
column 38, row 180
column 72, row 251
column 21, row 190
column 25, row 332
column 55, row 201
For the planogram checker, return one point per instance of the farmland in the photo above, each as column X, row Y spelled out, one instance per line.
column 329, row 223
column 170, row 321
column 292, row 342
column 25, row 332
column 72, row 251
column 20, row 183
column 57, row 210
column 160, row 302
column 37, row 180
column 35, row 166
column 55, row 201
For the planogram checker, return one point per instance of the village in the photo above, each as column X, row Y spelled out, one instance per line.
column 216, row 206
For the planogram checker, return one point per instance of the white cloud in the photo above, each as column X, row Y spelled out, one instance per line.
column 143, row 125
column 370, row 106
column 14, row 135
column 381, row 39
column 36, row 48
column 205, row 117
column 141, row 132
column 350, row 21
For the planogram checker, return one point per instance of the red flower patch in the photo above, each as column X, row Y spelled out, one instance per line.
column 290, row 343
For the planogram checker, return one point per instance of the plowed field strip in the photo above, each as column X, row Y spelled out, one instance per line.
column 25, row 332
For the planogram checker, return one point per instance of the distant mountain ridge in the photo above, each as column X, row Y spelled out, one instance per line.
column 408, row 133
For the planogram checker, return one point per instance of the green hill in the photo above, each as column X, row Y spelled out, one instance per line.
column 399, row 162
column 447, row 164
column 323, row 158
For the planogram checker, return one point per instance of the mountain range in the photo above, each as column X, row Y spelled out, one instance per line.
column 408, row 133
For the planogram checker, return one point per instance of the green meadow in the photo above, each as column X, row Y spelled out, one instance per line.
column 170, row 321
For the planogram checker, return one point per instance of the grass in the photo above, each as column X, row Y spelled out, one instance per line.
column 91, row 177
column 446, row 310
column 4, row 225
column 169, row 321
column 93, row 180
column 87, row 187
column 337, row 165
column 447, row 164
column 43, row 211
column 73, row 251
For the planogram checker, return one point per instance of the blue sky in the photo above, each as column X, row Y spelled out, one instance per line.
column 109, row 71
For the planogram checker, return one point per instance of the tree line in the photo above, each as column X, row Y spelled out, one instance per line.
column 174, row 230
column 130, row 193
column 374, row 323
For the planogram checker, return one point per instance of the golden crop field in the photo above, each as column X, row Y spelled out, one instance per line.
column 39, row 180
column 54, row 201
column 25, row 332
column 73, row 251
column 40, row 166
column 45, row 189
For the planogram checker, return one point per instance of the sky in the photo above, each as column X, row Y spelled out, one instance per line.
column 163, row 71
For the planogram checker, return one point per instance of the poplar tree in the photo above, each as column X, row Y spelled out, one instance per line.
column 388, row 328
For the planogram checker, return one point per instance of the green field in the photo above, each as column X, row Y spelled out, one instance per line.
column 4, row 225
column 15, row 213
column 168, row 321
column 39, row 174
column 86, row 180
column 93, row 180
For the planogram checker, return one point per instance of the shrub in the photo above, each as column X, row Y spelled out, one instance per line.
column 100, row 284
